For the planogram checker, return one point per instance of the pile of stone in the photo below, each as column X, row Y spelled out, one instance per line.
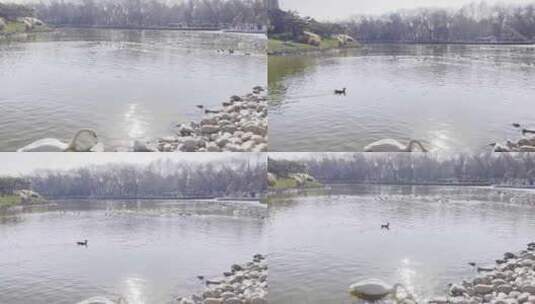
column 510, row 281
column 244, row 284
column 524, row 145
column 239, row 126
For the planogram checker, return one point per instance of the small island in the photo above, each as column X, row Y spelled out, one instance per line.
column 288, row 174
column 15, row 191
column 291, row 34
column 19, row 19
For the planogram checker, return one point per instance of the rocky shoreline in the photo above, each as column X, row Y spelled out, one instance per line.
column 239, row 126
column 510, row 281
column 525, row 144
column 243, row 284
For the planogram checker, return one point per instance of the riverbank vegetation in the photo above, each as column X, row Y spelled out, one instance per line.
column 149, row 13
column 478, row 22
column 16, row 191
column 7, row 201
column 16, row 18
column 158, row 179
column 290, row 33
column 286, row 174
column 516, row 170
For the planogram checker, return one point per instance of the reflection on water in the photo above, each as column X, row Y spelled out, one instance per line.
column 142, row 251
column 452, row 97
column 321, row 244
column 125, row 84
column 134, row 122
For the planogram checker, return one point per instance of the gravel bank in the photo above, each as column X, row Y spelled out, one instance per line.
column 239, row 126
column 511, row 280
column 243, row 284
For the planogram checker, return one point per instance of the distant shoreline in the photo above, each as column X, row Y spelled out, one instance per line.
column 156, row 28
column 288, row 48
column 163, row 197
column 299, row 51
column 471, row 184
column 450, row 43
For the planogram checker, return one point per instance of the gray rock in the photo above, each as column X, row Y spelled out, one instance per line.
column 230, row 128
column 209, row 121
column 529, row 288
column 523, row 298
column 212, row 147
column 209, row 129
column 255, row 129
column 509, row 255
column 191, row 144
column 457, row 290
column 438, row 300
column 232, row 301
column 505, row 288
column 184, row 130
column 140, row 146
column 235, row 98
column 483, row 289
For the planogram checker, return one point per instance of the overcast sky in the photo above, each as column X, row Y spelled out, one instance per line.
column 339, row 9
column 24, row 163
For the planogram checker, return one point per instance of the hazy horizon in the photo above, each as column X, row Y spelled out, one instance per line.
column 341, row 9
column 16, row 164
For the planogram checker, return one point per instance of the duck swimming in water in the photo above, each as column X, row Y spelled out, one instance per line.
column 340, row 92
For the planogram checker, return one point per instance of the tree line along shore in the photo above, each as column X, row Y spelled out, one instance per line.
column 501, row 170
column 234, row 16
column 474, row 23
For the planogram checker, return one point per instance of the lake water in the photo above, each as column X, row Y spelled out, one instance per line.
column 124, row 84
column 320, row 244
column 144, row 251
column 450, row 97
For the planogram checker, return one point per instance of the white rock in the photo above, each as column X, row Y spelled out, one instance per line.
column 209, row 129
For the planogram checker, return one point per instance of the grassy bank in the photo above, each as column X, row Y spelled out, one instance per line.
column 292, row 183
column 16, row 27
column 279, row 47
column 13, row 27
column 7, row 201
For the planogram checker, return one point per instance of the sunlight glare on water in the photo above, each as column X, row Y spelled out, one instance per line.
column 134, row 122
column 134, row 292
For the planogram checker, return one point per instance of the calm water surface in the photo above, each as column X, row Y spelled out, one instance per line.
column 125, row 84
column 145, row 251
column 451, row 97
column 321, row 244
